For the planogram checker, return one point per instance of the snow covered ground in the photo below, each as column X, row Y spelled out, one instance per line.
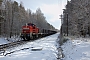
column 77, row 49
column 41, row 49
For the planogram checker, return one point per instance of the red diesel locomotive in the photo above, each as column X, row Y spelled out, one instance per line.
column 29, row 31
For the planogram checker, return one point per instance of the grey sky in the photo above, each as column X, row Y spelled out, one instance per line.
column 51, row 9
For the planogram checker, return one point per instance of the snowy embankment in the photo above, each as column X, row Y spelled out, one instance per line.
column 77, row 49
column 41, row 49
column 3, row 41
column 8, row 40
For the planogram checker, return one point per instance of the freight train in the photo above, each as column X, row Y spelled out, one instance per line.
column 31, row 31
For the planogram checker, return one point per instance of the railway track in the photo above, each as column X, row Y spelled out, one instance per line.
column 7, row 46
column 4, row 47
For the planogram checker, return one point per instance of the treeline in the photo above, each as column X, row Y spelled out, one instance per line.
column 13, row 16
column 76, row 18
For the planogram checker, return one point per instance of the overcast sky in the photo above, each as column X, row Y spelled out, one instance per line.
column 50, row 8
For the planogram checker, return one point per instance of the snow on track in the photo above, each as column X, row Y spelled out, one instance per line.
column 41, row 49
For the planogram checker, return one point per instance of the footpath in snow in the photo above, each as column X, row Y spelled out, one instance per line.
column 77, row 49
column 41, row 49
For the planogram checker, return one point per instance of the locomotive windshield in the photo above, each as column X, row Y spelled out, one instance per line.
column 30, row 24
